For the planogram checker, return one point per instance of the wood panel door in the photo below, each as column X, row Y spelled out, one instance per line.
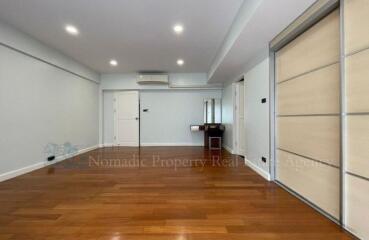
column 356, row 20
column 308, row 114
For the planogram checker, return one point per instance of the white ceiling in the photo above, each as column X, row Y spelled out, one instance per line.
column 138, row 33
column 252, row 42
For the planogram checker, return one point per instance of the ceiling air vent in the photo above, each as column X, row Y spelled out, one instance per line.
column 152, row 79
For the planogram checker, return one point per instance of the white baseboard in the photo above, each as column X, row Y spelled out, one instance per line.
column 229, row 149
column 66, row 156
column 88, row 149
column 172, row 144
column 107, row 145
column 160, row 145
column 21, row 171
column 257, row 169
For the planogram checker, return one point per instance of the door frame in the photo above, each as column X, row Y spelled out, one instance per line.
column 102, row 117
column 115, row 120
column 236, row 130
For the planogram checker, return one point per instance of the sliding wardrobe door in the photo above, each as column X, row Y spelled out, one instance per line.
column 308, row 114
column 356, row 19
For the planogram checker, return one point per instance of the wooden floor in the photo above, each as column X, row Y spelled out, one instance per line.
column 154, row 193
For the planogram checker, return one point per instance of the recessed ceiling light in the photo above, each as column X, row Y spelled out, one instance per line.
column 113, row 62
column 71, row 30
column 180, row 62
column 178, row 29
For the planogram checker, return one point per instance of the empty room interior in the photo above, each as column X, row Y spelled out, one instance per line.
column 184, row 119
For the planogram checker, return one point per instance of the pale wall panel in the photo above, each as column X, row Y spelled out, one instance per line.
column 157, row 125
column 317, row 182
column 227, row 115
column 358, row 145
column 357, row 206
column 314, row 93
column 42, row 105
column 356, row 21
column 257, row 115
column 317, row 137
column 317, row 47
column 170, row 115
column 357, row 83
column 356, row 25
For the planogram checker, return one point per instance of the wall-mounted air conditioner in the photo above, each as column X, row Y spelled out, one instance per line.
column 152, row 79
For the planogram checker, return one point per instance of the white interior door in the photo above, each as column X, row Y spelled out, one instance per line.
column 239, row 106
column 126, row 119
column 241, row 119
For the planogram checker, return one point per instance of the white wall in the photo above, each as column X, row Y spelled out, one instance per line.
column 170, row 115
column 128, row 81
column 41, row 104
column 108, row 120
column 22, row 42
column 227, row 116
column 171, row 112
column 257, row 115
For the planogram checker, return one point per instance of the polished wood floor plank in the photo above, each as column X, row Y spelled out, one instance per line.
column 153, row 193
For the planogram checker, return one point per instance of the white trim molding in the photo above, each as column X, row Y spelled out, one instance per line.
column 172, row 144
column 107, row 145
column 21, row 171
column 229, row 149
column 31, row 168
column 258, row 170
column 67, row 156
